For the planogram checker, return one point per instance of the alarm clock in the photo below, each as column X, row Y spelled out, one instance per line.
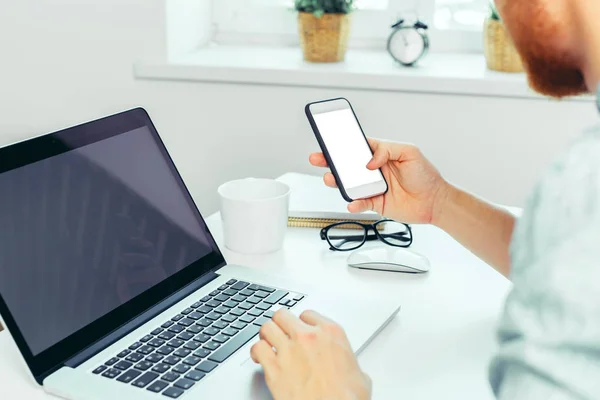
column 408, row 43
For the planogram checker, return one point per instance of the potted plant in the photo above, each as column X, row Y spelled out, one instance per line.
column 500, row 53
column 324, row 28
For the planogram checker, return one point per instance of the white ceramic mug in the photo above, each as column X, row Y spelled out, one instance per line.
column 254, row 213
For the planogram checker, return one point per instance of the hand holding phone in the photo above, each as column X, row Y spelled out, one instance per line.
column 345, row 148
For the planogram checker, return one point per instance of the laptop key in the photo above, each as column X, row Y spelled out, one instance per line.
column 222, row 310
column 167, row 324
column 263, row 306
column 222, row 297
column 298, row 297
column 175, row 343
column 246, row 305
column 214, row 293
column 202, row 353
column 239, row 285
column 260, row 321
column 231, row 282
column 195, row 375
column 145, row 379
column 202, row 338
column 135, row 346
column 170, row 377
column 223, row 287
column 255, row 312
column 176, row 328
column 112, row 361
column 229, row 292
column 156, row 342
column 237, row 312
column 205, row 299
column 247, row 292
column 185, row 336
column 204, row 309
column 253, row 287
column 128, row 376
column 157, row 386
column 171, row 360
column 234, row 344
column 261, row 294
column 173, row 392
column 210, row 331
column 212, row 345
column 230, row 304
column 207, row 366
column 220, row 338
column 166, row 335
column 182, row 353
column 228, row 318
column 161, row 368
column 143, row 365
column 192, row 360
column 220, row 324
column 101, row 368
column 246, row 318
column 177, row 317
column 284, row 302
column 195, row 315
column 154, row 358
column 181, row 368
column 238, row 325
column 146, row 338
column 187, row 311
column 204, row 322
column 186, row 322
column 269, row 313
column 111, row 373
column 275, row 297
column 145, row 350
column 213, row 316
column 184, row 383
column 254, row 300
column 196, row 304
column 123, row 365
column 213, row 303
column 291, row 303
column 238, row 298
column 165, row 350
column 191, row 345
column 266, row 289
column 134, row 357
column 194, row 329
column 157, row 331
column 229, row 331
column 124, row 353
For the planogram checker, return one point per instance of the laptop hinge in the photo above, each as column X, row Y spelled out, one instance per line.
column 141, row 319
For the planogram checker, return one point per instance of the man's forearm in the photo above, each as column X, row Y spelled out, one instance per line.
column 484, row 229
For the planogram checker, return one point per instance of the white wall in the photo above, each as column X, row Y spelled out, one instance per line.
column 65, row 61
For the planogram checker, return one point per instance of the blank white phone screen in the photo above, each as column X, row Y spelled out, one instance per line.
column 347, row 147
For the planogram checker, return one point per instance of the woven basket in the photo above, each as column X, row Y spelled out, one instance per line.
column 500, row 53
column 324, row 39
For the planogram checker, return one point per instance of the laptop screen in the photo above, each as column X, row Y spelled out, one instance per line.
column 87, row 230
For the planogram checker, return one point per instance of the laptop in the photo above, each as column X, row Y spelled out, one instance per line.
column 112, row 286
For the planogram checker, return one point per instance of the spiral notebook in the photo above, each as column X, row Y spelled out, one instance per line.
column 314, row 205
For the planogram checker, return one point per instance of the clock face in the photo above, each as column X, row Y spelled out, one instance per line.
column 407, row 45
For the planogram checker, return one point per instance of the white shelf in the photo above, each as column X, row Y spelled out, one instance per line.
column 458, row 74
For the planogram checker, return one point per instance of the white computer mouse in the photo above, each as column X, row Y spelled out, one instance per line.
column 389, row 259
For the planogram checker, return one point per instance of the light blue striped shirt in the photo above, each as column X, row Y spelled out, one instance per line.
column 550, row 332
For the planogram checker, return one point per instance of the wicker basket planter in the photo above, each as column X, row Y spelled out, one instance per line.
column 500, row 53
column 324, row 39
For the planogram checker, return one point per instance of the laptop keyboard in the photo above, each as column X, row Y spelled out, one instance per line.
column 177, row 354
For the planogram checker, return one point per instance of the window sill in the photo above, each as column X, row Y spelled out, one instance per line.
column 442, row 73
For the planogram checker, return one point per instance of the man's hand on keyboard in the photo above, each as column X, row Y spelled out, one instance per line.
column 309, row 358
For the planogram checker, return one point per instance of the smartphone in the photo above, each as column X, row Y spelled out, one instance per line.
column 346, row 149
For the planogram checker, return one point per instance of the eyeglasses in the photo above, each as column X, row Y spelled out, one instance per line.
column 346, row 236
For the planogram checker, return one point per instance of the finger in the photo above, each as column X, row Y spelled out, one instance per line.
column 329, row 180
column 314, row 318
column 358, row 206
column 318, row 160
column 262, row 353
column 272, row 334
column 385, row 152
column 288, row 322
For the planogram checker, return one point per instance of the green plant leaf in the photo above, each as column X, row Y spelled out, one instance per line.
column 320, row 7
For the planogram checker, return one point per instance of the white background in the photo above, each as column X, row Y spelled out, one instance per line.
column 66, row 61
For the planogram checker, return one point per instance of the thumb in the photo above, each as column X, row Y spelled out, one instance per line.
column 358, row 206
column 388, row 151
column 380, row 157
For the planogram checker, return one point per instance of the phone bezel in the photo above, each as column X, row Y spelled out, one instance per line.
column 349, row 194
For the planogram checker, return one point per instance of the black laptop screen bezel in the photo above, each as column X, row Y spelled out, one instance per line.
column 42, row 147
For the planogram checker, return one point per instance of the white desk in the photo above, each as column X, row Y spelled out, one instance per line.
column 439, row 345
